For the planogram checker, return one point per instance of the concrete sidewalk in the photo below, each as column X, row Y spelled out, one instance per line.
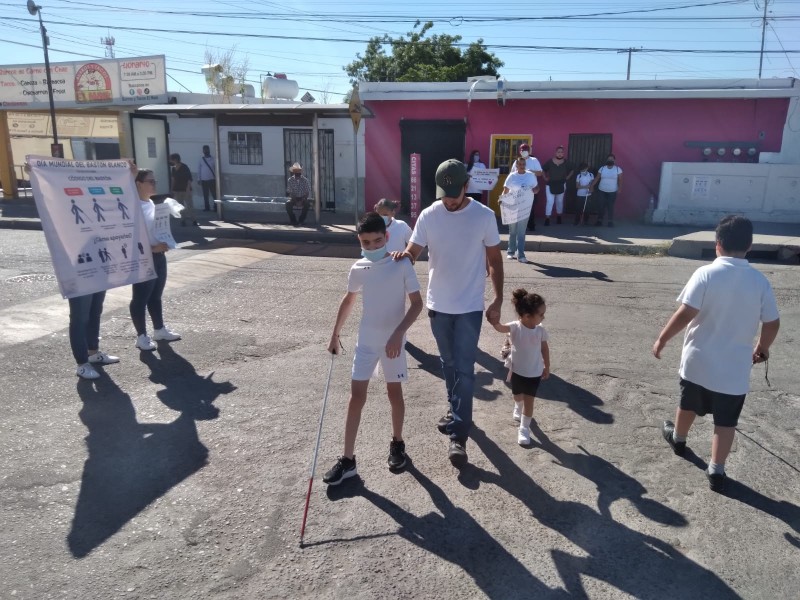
column 776, row 241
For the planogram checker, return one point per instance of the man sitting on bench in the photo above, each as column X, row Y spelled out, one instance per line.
column 298, row 189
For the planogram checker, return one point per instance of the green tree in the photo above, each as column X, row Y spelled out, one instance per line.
column 421, row 58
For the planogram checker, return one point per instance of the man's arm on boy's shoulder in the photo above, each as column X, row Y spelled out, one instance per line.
column 345, row 307
column 769, row 331
column 395, row 343
column 680, row 319
column 411, row 252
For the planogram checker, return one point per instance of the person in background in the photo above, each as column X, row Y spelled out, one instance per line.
column 520, row 179
column 609, row 184
column 180, row 187
column 474, row 162
column 208, row 178
column 556, row 172
column 531, row 164
column 584, row 182
column 298, row 189
column 147, row 294
column 398, row 232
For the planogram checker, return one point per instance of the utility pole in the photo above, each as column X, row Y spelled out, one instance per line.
column 630, row 51
column 763, row 34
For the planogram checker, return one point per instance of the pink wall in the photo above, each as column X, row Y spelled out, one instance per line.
column 645, row 134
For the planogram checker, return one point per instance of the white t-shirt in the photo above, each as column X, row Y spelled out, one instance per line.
column 609, row 181
column 518, row 180
column 149, row 214
column 399, row 234
column 384, row 286
column 531, row 164
column 526, row 349
column 457, row 243
column 471, row 189
column 584, row 179
column 733, row 298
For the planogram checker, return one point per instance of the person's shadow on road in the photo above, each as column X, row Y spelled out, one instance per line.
column 129, row 464
column 579, row 400
column 554, row 271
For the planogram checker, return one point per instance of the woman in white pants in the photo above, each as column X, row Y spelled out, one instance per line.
column 556, row 171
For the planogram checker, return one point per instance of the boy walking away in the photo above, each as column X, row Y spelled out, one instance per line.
column 384, row 283
column 722, row 304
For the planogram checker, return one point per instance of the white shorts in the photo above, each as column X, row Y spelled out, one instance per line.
column 366, row 360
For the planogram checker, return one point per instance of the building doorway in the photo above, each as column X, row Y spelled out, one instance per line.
column 435, row 142
column 504, row 151
column 298, row 147
column 592, row 148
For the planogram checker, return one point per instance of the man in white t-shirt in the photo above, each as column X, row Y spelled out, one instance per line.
column 384, row 284
column 722, row 304
column 462, row 239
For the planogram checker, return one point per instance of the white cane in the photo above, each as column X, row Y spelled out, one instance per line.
column 583, row 214
column 316, row 450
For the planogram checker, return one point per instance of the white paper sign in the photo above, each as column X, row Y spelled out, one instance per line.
column 516, row 205
column 700, row 187
column 92, row 222
column 161, row 227
column 484, row 179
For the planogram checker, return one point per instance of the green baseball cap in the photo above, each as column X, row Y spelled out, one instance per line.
column 451, row 176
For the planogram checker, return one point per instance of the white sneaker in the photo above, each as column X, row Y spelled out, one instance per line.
column 511, row 257
column 517, row 413
column 524, row 436
column 101, row 358
column 143, row 342
column 86, row 371
column 165, row 334
column 523, row 260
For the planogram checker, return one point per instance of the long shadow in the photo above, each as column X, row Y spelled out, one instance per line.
column 184, row 390
column 554, row 271
column 635, row 563
column 578, row 399
column 454, row 535
column 129, row 464
column 612, row 483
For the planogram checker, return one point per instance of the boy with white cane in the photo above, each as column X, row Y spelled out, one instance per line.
column 384, row 284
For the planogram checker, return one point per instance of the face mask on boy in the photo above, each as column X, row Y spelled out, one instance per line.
column 374, row 255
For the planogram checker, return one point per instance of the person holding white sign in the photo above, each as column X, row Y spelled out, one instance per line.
column 474, row 162
column 147, row 294
column 517, row 182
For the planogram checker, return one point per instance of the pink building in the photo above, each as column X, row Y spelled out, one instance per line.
column 644, row 124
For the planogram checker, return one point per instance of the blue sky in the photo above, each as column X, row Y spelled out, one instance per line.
column 698, row 36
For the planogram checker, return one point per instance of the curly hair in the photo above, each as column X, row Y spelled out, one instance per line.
column 526, row 303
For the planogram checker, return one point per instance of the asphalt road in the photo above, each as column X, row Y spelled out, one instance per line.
column 182, row 473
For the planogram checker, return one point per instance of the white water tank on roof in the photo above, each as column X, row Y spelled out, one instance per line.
column 278, row 87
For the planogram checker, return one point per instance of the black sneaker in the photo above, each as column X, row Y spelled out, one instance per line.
column 458, row 453
column 344, row 468
column 717, row 481
column 397, row 454
column 668, row 430
column 444, row 422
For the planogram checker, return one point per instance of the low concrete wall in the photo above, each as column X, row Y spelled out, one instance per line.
column 702, row 193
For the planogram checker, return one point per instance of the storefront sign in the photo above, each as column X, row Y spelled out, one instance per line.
column 414, row 187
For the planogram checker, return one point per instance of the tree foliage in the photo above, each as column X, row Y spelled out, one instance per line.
column 421, row 58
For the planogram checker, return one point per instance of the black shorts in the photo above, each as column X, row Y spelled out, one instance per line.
column 726, row 408
column 524, row 385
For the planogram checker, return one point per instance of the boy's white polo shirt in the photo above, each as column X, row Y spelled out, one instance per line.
column 384, row 285
column 457, row 243
column 733, row 299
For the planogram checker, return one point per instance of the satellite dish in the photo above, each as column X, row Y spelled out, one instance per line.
column 32, row 8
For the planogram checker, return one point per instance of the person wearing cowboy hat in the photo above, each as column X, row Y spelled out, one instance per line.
column 298, row 189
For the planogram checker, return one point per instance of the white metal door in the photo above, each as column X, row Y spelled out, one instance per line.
column 151, row 147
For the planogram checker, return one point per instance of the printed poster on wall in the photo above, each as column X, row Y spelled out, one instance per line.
column 700, row 187
column 92, row 222
column 415, row 186
column 516, row 205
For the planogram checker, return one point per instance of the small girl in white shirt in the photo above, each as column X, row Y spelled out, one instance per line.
column 529, row 358
column 397, row 232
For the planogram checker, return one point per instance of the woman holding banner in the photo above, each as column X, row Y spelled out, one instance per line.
column 519, row 183
column 147, row 294
column 474, row 162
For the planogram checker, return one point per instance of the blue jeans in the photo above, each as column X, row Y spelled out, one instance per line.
column 147, row 296
column 516, row 238
column 84, row 324
column 607, row 200
column 457, row 338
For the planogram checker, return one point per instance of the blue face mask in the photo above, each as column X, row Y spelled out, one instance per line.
column 374, row 255
column 386, row 219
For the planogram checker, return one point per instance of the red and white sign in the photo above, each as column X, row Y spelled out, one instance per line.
column 415, row 187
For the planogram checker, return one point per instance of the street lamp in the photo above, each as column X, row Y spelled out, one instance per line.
column 56, row 149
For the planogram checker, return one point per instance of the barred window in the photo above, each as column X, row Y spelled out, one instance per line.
column 245, row 148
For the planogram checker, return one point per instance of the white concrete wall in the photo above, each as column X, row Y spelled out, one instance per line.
column 702, row 193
